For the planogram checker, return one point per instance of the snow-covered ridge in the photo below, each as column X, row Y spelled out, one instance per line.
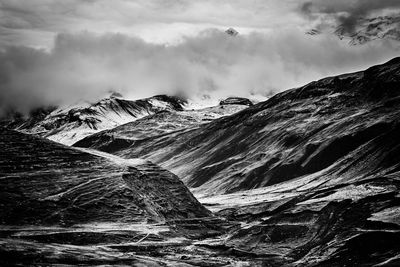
column 69, row 124
column 367, row 30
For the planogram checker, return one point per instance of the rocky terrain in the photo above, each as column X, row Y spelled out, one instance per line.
column 310, row 177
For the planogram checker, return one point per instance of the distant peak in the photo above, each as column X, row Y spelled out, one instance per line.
column 115, row 95
column 236, row 101
column 313, row 32
column 232, row 32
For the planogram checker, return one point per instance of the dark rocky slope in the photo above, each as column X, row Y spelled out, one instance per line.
column 42, row 182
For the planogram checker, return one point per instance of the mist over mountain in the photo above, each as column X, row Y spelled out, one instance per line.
column 212, row 65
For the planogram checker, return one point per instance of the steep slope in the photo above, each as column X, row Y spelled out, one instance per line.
column 342, row 125
column 156, row 125
column 69, row 124
column 42, row 182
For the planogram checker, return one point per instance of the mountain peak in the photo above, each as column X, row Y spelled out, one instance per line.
column 116, row 95
column 236, row 101
column 232, row 32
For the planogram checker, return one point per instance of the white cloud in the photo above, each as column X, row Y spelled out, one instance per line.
column 158, row 21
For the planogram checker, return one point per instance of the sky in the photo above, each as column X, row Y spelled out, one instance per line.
column 55, row 52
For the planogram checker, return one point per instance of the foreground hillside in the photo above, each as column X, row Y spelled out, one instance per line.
column 43, row 182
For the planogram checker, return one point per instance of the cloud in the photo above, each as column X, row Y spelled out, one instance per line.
column 346, row 12
column 32, row 23
column 86, row 65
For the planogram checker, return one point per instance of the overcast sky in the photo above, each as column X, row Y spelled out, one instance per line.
column 53, row 50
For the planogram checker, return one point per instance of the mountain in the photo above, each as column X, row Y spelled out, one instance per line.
column 295, row 133
column 236, row 101
column 367, row 29
column 309, row 177
column 43, row 182
column 232, row 32
column 312, row 174
column 69, row 124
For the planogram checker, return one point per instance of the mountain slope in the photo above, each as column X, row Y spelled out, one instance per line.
column 331, row 125
column 42, row 182
column 312, row 174
column 70, row 124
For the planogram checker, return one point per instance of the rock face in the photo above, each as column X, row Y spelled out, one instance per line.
column 43, row 182
column 236, row 101
column 69, row 124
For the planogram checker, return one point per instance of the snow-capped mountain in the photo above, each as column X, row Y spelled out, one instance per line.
column 369, row 29
column 366, row 30
column 71, row 123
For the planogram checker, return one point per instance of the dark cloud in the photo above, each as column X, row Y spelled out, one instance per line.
column 346, row 12
column 213, row 63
